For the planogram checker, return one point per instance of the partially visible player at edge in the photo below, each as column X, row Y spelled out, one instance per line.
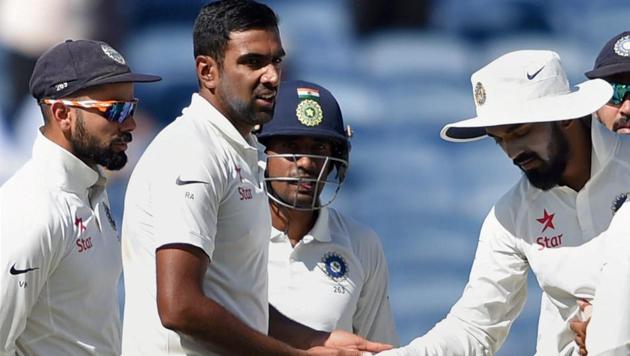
column 196, row 221
column 609, row 331
column 59, row 248
column 572, row 175
column 326, row 270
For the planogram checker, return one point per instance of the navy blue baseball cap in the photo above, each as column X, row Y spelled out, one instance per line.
column 305, row 109
column 613, row 59
column 74, row 65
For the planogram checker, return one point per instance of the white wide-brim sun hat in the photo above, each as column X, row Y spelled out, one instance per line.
column 526, row 87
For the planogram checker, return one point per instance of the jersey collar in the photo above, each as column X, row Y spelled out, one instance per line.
column 63, row 168
column 201, row 109
column 319, row 232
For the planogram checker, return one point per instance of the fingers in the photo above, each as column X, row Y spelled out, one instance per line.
column 578, row 326
column 583, row 303
column 327, row 351
column 372, row 346
column 583, row 351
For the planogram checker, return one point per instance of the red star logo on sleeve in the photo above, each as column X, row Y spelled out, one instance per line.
column 546, row 220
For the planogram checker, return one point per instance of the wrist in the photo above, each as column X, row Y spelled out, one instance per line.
column 318, row 338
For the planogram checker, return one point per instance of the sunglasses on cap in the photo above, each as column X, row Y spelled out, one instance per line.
column 619, row 93
column 112, row 110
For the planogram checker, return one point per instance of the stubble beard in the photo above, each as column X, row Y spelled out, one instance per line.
column 550, row 174
column 87, row 148
column 240, row 111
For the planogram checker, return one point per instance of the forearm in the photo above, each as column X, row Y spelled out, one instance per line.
column 183, row 307
column 448, row 338
column 294, row 333
column 208, row 321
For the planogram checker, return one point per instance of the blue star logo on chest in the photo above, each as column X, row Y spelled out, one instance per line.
column 335, row 266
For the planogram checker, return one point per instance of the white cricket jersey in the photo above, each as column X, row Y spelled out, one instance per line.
column 59, row 259
column 608, row 332
column 533, row 229
column 198, row 183
column 334, row 278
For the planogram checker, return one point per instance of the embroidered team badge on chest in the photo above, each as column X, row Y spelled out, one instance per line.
column 108, row 213
column 335, row 266
column 618, row 202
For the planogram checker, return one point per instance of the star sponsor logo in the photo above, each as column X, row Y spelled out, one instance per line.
column 238, row 173
column 545, row 241
column 546, row 220
column 78, row 222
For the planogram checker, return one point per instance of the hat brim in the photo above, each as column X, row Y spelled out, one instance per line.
column 128, row 77
column 607, row 71
column 314, row 132
column 587, row 98
column 124, row 78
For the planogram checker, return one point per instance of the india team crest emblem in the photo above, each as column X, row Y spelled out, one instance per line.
column 112, row 53
column 618, row 202
column 480, row 94
column 622, row 46
column 335, row 266
column 108, row 213
column 308, row 111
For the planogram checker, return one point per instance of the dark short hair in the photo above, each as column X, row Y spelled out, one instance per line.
column 216, row 20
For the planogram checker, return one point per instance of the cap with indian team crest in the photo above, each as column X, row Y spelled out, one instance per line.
column 526, row 87
column 74, row 65
column 305, row 109
column 614, row 58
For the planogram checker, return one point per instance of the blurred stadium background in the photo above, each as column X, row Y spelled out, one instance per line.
column 400, row 69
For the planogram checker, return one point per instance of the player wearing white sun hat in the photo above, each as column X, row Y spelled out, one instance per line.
column 572, row 175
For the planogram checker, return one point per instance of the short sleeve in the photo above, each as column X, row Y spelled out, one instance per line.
column 373, row 318
column 186, row 201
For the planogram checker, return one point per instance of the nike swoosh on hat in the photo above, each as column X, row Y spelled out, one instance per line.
column 532, row 76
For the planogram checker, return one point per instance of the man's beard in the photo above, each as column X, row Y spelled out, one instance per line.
column 87, row 148
column 240, row 110
column 550, row 173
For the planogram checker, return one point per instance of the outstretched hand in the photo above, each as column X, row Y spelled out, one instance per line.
column 327, row 351
column 344, row 340
column 579, row 324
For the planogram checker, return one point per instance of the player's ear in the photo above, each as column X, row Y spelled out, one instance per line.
column 61, row 116
column 207, row 71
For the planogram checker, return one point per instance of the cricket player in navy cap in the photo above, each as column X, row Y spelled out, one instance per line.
column 60, row 251
column 326, row 270
column 609, row 330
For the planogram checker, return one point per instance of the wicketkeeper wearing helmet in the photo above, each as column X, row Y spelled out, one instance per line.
column 326, row 270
